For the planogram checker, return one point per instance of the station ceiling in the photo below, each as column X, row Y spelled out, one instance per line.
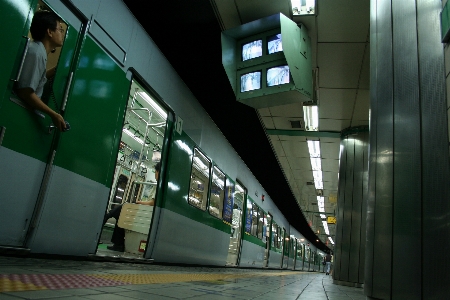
column 188, row 34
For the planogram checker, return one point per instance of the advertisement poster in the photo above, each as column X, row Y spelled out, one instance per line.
column 248, row 219
column 228, row 202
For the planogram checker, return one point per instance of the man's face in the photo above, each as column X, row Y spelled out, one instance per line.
column 156, row 175
column 57, row 35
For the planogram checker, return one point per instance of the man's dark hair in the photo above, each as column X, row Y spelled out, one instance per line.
column 42, row 21
column 158, row 166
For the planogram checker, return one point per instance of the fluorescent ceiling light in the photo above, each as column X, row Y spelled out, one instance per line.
column 323, row 216
column 311, row 117
column 321, row 203
column 331, row 240
column 153, row 104
column 316, row 164
column 325, row 227
column 132, row 135
column 313, row 148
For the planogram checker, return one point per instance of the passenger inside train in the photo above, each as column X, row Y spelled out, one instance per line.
column 148, row 198
column 48, row 34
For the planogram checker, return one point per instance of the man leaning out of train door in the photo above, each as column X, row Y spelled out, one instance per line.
column 118, row 236
column 47, row 34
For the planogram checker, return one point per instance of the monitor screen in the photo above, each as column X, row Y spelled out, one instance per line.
column 274, row 43
column 277, row 75
column 251, row 50
column 251, row 81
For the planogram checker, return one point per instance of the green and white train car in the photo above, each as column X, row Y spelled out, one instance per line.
column 128, row 109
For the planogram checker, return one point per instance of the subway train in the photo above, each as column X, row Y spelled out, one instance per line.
column 128, row 110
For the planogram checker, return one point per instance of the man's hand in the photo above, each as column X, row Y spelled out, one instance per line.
column 58, row 121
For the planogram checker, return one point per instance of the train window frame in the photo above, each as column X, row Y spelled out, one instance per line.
column 206, row 184
column 221, row 196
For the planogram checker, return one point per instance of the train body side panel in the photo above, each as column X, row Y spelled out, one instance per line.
column 274, row 259
column 252, row 255
column 21, row 177
column 183, row 240
column 71, row 220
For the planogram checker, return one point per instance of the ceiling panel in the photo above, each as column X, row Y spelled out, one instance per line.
column 330, row 164
column 268, row 122
column 295, row 149
column 264, row 112
column 284, row 122
column 340, row 64
column 330, row 150
column 333, row 124
column 251, row 10
column 337, row 19
column 289, row 110
column 334, row 102
column 299, row 163
column 364, row 82
column 277, row 146
column 362, row 105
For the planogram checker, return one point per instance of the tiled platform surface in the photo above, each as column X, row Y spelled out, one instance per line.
column 32, row 278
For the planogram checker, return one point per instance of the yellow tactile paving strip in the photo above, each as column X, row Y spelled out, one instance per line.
column 22, row 282
column 177, row 277
column 7, row 285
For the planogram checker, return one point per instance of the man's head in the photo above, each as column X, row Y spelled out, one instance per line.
column 47, row 24
column 157, row 170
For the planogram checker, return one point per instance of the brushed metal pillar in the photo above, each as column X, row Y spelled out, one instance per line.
column 351, row 210
column 408, row 205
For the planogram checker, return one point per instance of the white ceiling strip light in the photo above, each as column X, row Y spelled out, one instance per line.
column 316, row 164
column 325, row 226
column 331, row 240
column 311, row 117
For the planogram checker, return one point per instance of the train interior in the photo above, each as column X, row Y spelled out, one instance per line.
column 135, row 181
column 236, row 226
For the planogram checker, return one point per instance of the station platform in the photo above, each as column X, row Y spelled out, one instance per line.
column 38, row 278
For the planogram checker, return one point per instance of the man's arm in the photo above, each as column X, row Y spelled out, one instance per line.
column 30, row 98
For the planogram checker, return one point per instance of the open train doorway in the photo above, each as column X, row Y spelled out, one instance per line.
column 236, row 226
column 129, row 212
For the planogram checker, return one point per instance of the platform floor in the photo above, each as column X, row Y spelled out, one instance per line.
column 33, row 278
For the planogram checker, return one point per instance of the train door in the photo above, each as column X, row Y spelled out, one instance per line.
column 267, row 232
column 285, row 250
column 234, row 248
column 81, row 172
column 27, row 143
column 136, row 177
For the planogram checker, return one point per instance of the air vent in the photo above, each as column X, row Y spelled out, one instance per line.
column 309, row 183
column 296, row 124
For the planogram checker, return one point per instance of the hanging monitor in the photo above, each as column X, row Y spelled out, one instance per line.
column 278, row 75
column 250, row 81
column 252, row 50
column 274, row 43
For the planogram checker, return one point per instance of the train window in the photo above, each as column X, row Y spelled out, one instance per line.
column 280, row 238
column 248, row 219
column 198, row 188
column 261, row 218
column 217, row 193
column 255, row 214
column 274, row 240
column 267, row 227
